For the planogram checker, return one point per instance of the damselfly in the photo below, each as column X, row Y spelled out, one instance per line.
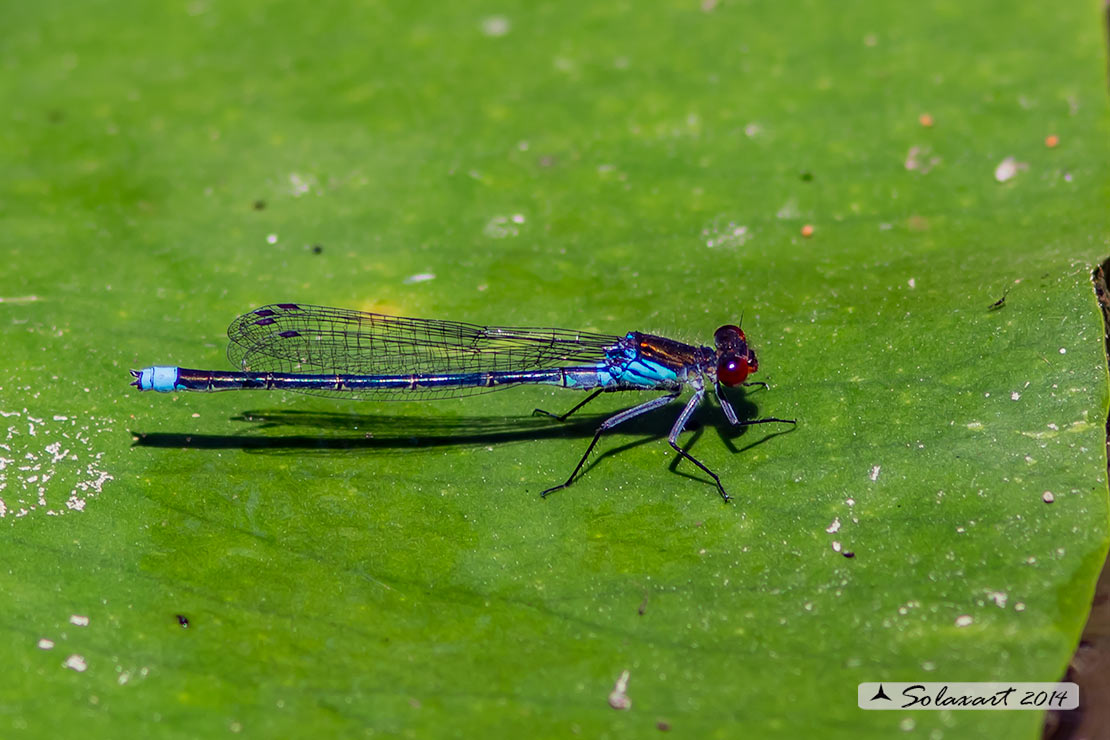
column 337, row 352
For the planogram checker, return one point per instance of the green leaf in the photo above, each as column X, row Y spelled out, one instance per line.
column 350, row 569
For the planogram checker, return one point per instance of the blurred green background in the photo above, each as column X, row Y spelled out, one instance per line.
column 389, row 569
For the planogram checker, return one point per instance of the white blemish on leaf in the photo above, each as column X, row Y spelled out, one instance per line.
column 52, row 468
column 76, row 662
column 501, row 227
column 496, row 26
column 1008, row 168
column 618, row 697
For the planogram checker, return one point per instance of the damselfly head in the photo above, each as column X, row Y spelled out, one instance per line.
column 735, row 359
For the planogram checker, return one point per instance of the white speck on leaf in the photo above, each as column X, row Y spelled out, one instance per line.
column 789, row 211
column 496, row 25
column 618, row 697
column 301, row 184
column 1008, row 168
column 501, row 227
column 725, row 233
column 76, row 662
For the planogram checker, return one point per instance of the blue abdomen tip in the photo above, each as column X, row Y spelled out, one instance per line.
column 161, row 378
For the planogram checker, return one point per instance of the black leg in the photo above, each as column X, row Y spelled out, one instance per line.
column 563, row 417
column 730, row 413
column 768, row 420
column 679, row 425
column 608, row 424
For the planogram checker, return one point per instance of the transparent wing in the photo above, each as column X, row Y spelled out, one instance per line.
column 297, row 338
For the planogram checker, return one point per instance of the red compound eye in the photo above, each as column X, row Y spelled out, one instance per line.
column 728, row 334
column 732, row 370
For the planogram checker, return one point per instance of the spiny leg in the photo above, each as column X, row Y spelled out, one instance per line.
column 563, row 417
column 679, row 425
column 609, row 423
column 730, row 413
